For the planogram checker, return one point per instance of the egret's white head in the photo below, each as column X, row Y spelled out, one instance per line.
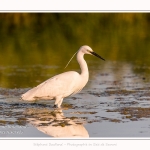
column 88, row 50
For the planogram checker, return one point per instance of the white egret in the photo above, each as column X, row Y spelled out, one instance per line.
column 64, row 84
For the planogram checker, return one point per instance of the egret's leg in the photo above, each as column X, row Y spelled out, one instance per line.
column 58, row 102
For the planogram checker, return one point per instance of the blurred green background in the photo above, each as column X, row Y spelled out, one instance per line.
column 34, row 46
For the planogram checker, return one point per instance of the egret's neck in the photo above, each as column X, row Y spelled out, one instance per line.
column 83, row 64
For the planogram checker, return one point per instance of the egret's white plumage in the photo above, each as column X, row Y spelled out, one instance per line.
column 64, row 84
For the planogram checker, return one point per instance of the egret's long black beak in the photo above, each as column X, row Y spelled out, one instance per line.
column 95, row 54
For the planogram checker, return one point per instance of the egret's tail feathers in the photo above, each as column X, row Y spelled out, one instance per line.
column 27, row 98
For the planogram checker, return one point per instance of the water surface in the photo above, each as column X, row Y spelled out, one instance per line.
column 111, row 105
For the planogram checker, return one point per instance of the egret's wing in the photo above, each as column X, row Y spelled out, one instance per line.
column 59, row 85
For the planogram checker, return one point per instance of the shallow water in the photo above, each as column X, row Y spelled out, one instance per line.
column 114, row 103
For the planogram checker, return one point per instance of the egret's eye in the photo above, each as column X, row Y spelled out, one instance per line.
column 89, row 51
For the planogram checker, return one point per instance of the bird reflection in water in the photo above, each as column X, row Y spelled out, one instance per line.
column 55, row 124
